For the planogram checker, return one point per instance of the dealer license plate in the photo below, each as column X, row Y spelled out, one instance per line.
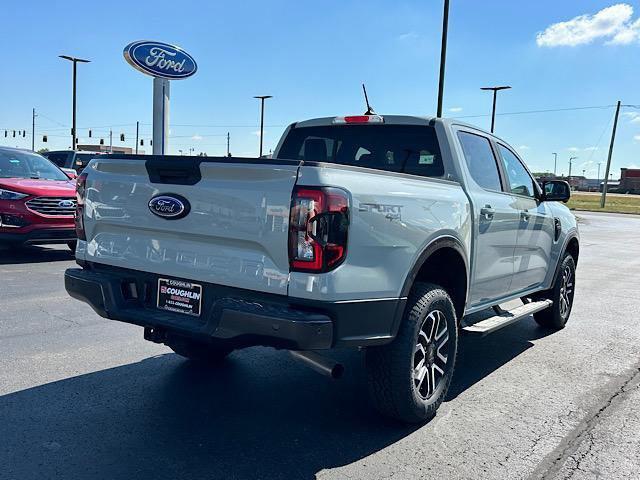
column 179, row 296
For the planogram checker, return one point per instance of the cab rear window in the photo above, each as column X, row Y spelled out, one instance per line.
column 397, row 148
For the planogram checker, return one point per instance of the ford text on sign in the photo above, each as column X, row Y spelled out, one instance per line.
column 160, row 59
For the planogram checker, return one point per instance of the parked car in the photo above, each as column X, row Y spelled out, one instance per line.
column 369, row 232
column 37, row 200
column 70, row 159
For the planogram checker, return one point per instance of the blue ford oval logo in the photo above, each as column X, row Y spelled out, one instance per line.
column 160, row 59
column 66, row 204
column 170, row 207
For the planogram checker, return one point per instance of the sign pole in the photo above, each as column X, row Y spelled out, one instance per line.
column 161, row 95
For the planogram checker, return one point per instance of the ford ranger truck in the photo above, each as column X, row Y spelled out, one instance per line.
column 381, row 233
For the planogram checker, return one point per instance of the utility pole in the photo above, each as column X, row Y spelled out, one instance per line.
column 110, row 141
column 599, row 163
column 555, row 163
column 33, row 130
column 613, row 139
column 262, row 98
column 570, row 162
column 493, row 110
column 73, row 126
column 228, row 140
column 137, row 134
column 443, row 56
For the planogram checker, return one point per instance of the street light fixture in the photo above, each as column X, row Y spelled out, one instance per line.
column 262, row 98
column 73, row 127
column 555, row 162
column 493, row 111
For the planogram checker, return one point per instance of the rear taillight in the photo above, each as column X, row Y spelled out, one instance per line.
column 318, row 227
column 81, row 183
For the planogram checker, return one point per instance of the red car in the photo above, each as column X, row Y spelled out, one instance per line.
column 37, row 200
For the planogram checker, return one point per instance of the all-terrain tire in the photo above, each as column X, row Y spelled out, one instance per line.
column 199, row 352
column 393, row 370
column 556, row 316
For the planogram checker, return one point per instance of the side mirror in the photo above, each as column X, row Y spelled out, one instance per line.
column 556, row 191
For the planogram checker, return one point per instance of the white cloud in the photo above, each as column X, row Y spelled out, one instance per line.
column 636, row 138
column 590, row 149
column 613, row 23
column 455, row 109
column 524, row 147
column 634, row 117
column 196, row 137
column 407, row 36
column 573, row 149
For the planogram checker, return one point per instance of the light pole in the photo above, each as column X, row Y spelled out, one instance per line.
column 599, row 163
column 571, row 159
column 262, row 98
column 555, row 162
column 75, row 61
column 493, row 110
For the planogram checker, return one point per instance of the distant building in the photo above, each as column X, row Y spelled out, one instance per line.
column 630, row 180
column 106, row 149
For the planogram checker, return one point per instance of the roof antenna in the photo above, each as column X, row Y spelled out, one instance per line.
column 366, row 99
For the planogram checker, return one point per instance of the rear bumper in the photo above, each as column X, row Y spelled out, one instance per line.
column 240, row 316
column 39, row 235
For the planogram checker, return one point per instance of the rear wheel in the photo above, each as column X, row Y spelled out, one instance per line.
column 409, row 378
column 72, row 245
column 199, row 352
column 561, row 293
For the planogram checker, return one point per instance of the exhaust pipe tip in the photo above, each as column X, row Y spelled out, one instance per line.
column 320, row 364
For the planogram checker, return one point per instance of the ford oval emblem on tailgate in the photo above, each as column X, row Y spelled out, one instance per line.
column 169, row 206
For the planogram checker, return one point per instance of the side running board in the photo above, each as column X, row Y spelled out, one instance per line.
column 505, row 318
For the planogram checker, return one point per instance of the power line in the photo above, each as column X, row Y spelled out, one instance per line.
column 525, row 112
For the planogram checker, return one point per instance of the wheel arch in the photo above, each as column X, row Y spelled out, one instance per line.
column 571, row 245
column 443, row 251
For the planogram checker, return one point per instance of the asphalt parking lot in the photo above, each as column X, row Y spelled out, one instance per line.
column 83, row 397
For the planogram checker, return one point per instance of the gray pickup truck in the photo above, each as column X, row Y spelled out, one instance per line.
column 370, row 232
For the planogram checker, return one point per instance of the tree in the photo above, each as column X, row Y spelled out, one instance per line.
column 43, row 150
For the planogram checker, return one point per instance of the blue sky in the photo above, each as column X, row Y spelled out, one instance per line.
column 313, row 56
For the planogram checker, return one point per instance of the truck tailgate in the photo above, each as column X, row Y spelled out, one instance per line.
column 235, row 234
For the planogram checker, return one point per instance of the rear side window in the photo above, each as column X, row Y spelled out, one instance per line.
column 84, row 158
column 60, row 159
column 397, row 148
column 481, row 161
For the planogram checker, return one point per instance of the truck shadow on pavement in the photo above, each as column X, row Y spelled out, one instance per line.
column 260, row 415
column 34, row 254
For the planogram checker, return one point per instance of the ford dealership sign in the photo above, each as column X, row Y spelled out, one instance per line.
column 160, row 60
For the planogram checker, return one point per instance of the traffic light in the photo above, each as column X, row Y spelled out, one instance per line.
column 122, row 137
column 45, row 139
column 89, row 133
column 142, row 142
column 14, row 134
column 24, row 133
column 102, row 141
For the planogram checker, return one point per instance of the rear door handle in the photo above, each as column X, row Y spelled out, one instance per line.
column 487, row 212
